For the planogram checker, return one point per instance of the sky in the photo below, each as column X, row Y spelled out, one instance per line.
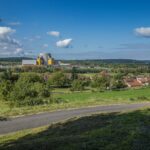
column 75, row 29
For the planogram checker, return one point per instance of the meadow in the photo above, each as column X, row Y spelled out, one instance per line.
column 66, row 99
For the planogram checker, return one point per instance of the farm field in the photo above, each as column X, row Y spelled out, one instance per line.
column 108, row 131
column 65, row 99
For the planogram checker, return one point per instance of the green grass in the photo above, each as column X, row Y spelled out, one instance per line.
column 88, row 74
column 105, row 98
column 61, row 90
column 113, row 131
column 110, row 96
column 80, row 99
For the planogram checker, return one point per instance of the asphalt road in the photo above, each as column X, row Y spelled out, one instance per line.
column 46, row 118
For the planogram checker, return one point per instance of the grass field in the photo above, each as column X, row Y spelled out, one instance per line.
column 109, row 96
column 80, row 99
column 113, row 131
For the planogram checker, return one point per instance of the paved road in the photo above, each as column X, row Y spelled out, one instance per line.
column 37, row 120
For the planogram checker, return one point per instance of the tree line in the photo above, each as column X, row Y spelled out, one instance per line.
column 31, row 88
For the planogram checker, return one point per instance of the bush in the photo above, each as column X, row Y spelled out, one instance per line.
column 5, row 89
column 74, row 74
column 77, row 85
column 132, row 99
column 38, row 69
column 29, row 89
column 142, row 98
column 31, row 77
column 118, row 84
column 101, row 82
column 60, row 101
column 9, row 76
column 59, row 79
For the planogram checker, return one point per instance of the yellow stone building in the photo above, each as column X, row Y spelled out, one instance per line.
column 45, row 59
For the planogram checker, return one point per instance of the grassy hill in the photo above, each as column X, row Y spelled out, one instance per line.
column 113, row 131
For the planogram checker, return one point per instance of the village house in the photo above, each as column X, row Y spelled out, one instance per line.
column 143, row 80
column 137, row 81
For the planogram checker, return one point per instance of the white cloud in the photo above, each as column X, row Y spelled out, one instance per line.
column 54, row 33
column 64, row 43
column 143, row 31
column 8, row 45
column 4, row 31
column 18, row 50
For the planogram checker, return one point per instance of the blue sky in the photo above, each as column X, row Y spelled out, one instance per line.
column 84, row 29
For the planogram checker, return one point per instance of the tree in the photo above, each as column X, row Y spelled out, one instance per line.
column 117, row 84
column 5, row 89
column 101, row 82
column 119, row 76
column 7, row 80
column 29, row 89
column 31, row 77
column 59, row 79
column 77, row 85
column 74, row 74
column 9, row 76
column 29, row 93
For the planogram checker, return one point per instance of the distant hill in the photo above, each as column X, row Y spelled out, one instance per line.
column 14, row 59
column 88, row 61
column 108, row 61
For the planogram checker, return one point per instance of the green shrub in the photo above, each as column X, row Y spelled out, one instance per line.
column 132, row 99
column 101, row 82
column 59, row 79
column 74, row 74
column 9, row 76
column 29, row 89
column 5, row 89
column 142, row 98
column 118, row 84
column 29, row 93
column 77, row 85
column 31, row 77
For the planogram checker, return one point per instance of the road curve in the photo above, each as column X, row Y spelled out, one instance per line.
column 46, row 118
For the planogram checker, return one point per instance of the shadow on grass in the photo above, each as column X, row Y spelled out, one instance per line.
column 3, row 118
column 113, row 131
